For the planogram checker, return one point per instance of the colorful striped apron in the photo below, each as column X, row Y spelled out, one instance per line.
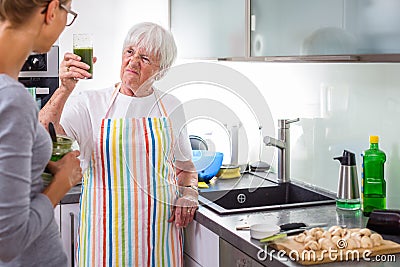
column 128, row 194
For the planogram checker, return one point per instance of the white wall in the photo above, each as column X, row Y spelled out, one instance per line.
column 340, row 105
column 109, row 21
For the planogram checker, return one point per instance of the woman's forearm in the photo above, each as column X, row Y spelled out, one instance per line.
column 51, row 112
column 187, row 179
column 186, row 173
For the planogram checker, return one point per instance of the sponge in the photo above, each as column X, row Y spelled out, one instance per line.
column 228, row 173
column 202, row 185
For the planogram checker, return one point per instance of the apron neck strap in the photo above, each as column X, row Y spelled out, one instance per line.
column 117, row 86
column 113, row 97
column 160, row 104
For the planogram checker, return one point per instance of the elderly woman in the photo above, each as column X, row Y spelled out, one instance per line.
column 140, row 185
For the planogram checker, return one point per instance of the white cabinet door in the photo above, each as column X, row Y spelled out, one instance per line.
column 188, row 262
column 281, row 27
column 330, row 27
column 201, row 245
column 57, row 216
column 209, row 28
column 69, row 227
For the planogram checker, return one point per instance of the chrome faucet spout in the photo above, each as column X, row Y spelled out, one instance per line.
column 283, row 145
column 269, row 141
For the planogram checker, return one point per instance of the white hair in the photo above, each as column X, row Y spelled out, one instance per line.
column 155, row 40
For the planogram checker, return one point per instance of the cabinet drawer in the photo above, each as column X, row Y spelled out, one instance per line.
column 201, row 245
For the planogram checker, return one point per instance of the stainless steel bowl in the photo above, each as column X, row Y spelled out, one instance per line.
column 198, row 143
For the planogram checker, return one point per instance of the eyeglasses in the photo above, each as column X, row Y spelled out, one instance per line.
column 131, row 53
column 71, row 15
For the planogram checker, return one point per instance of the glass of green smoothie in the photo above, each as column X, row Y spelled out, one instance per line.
column 83, row 47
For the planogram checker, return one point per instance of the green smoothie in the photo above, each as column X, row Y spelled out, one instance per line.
column 61, row 147
column 86, row 55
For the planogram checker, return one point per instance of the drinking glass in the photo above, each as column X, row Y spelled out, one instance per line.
column 83, row 47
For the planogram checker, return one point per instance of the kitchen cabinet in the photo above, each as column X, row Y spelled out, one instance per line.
column 330, row 27
column 57, row 216
column 209, row 28
column 375, row 24
column 281, row 27
column 287, row 30
column 69, row 229
column 231, row 256
column 201, row 246
column 188, row 262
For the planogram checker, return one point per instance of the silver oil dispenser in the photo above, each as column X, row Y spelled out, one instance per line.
column 348, row 194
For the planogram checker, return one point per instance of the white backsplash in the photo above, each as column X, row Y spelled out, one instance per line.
column 340, row 105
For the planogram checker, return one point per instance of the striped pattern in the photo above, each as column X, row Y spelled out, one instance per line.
column 127, row 197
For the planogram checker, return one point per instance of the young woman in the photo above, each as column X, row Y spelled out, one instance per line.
column 29, row 235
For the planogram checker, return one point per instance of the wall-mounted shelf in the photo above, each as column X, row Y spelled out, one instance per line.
column 375, row 58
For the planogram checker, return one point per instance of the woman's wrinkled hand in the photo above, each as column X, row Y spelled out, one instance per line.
column 184, row 210
column 72, row 69
column 67, row 168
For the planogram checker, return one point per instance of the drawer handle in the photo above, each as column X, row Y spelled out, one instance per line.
column 72, row 218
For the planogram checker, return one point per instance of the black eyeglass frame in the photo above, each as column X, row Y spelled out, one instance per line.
column 73, row 13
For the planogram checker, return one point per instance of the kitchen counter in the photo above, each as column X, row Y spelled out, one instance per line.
column 225, row 225
column 72, row 196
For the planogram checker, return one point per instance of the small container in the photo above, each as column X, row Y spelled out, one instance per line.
column 385, row 221
column 60, row 148
column 348, row 194
column 262, row 230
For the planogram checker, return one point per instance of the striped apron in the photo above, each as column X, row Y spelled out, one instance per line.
column 127, row 196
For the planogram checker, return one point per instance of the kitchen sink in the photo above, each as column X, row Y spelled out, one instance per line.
column 278, row 196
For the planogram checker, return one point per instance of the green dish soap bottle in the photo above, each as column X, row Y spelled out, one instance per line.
column 373, row 181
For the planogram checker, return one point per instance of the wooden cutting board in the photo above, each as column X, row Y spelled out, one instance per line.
column 291, row 247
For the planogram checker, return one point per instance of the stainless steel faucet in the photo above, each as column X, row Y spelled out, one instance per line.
column 283, row 145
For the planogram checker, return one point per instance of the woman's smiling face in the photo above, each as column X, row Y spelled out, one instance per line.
column 136, row 68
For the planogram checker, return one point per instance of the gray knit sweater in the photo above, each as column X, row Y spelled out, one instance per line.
column 29, row 235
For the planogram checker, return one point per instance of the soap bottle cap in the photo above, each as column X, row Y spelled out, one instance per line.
column 348, row 158
column 373, row 139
